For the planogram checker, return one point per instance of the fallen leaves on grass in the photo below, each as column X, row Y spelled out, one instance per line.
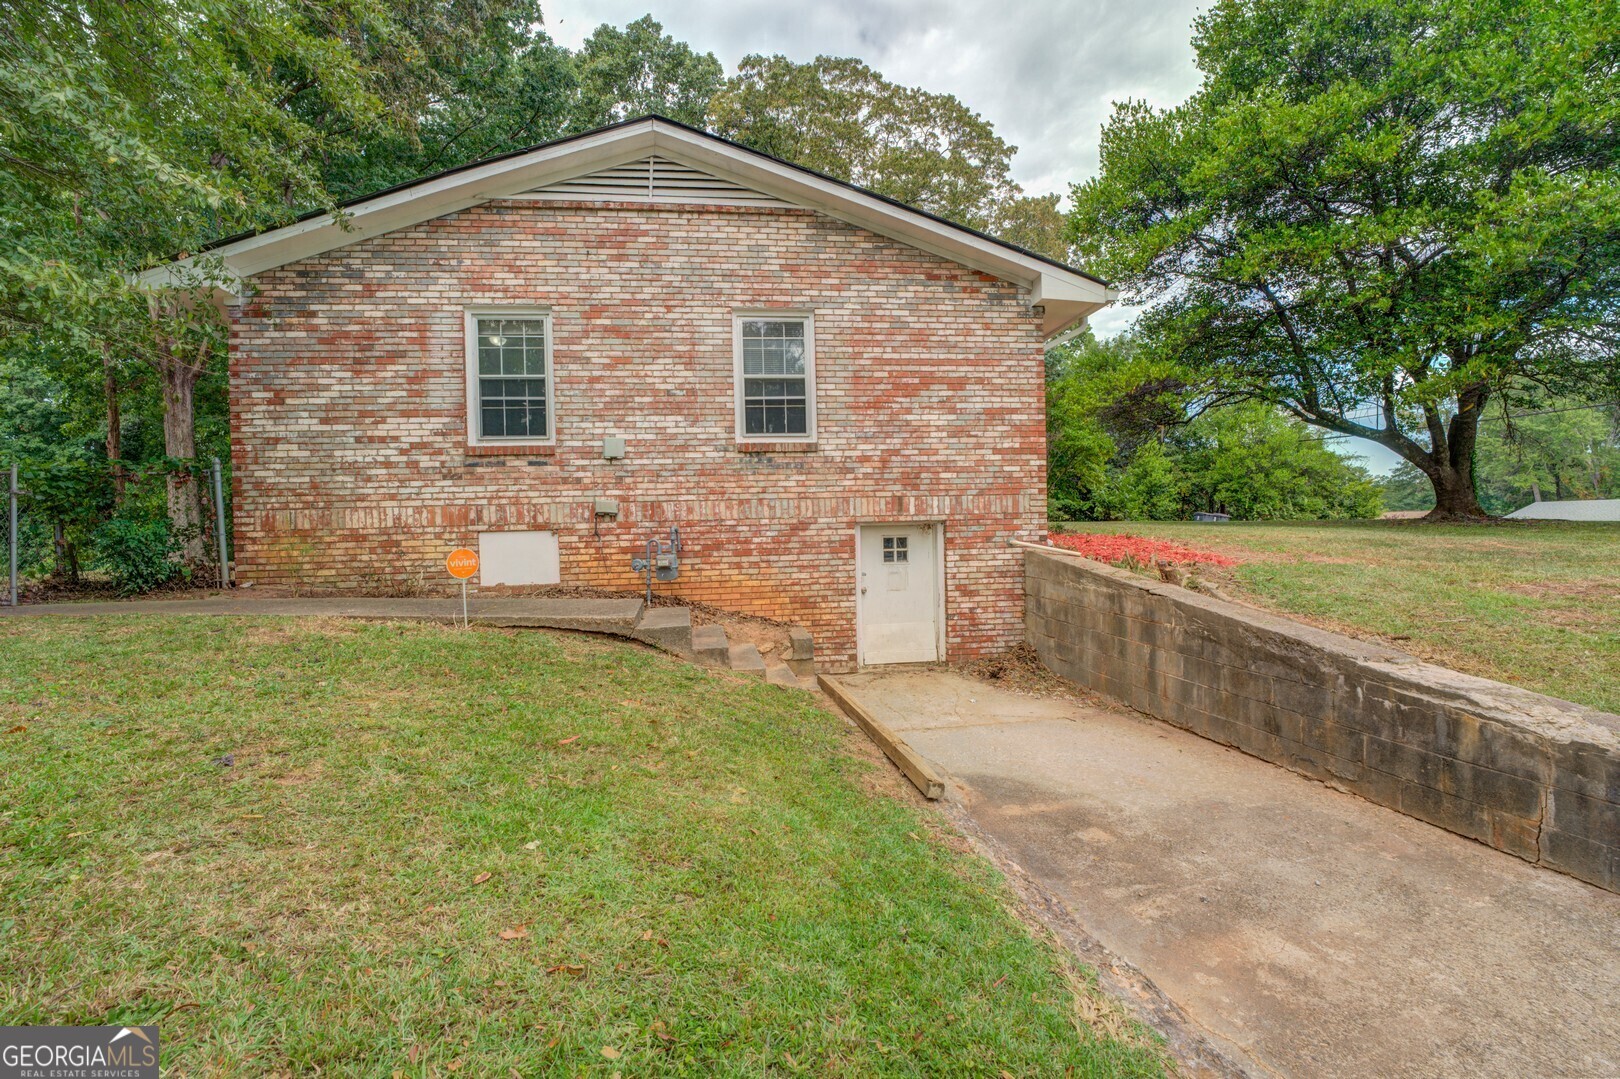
column 611, row 1053
column 565, row 741
column 482, row 877
column 517, row 932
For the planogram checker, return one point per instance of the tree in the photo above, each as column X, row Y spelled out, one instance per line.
column 1380, row 215
column 1256, row 463
column 1406, row 488
column 1104, row 401
column 641, row 70
column 1033, row 222
column 1129, row 436
column 132, row 132
column 1148, row 488
column 484, row 80
column 1558, row 448
column 838, row 116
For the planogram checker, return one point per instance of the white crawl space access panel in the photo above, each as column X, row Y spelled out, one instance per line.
column 518, row 558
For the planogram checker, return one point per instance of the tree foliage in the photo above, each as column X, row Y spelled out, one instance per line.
column 1130, row 437
column 640, row 70
column 1557, row 448
column 1379, row 215
column 840, row 117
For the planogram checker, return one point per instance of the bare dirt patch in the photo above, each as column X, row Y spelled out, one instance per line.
column 1020, row 670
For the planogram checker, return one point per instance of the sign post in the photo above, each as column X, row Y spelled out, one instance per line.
column 462, row 564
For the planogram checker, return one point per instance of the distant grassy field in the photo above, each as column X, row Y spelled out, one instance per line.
column 309, row 848
column 1536, row 604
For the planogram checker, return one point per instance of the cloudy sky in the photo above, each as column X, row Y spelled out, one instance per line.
column 1044, row 72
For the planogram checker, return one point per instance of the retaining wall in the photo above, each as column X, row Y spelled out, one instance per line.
column 1528, row 774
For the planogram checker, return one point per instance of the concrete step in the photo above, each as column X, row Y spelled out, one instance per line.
column 778, row 673
column 800, row 644
column 801, row 655
column 745, row 659
column 709, row 645
column 669, row 628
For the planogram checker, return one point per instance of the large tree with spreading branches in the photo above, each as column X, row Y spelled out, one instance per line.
column 1384, row 216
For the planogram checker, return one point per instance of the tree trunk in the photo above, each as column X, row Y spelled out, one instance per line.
column 1449, row 464
column 115, row 425
column 178, row 380
column 180, row 440
column 59, row 538
column 1454, row 498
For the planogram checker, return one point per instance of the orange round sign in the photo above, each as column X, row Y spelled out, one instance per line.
column 462, row 563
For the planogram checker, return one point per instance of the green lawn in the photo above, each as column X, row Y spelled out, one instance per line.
column 492, row 853
column 1536, row 604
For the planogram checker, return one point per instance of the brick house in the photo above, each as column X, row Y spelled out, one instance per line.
column 555, row 356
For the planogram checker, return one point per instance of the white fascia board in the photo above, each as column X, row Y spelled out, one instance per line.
column 420, row 202
column 212, row 281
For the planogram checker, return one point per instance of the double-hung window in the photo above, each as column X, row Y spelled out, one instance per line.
column 509, row 378
column 775, row 378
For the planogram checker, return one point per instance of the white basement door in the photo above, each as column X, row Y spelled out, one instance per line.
column 898, row 596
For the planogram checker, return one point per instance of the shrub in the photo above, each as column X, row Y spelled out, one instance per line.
column 137, row 554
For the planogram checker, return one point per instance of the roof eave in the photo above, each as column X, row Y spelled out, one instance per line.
column 1066, row 294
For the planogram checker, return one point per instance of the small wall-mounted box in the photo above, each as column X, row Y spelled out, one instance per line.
column 607, row 507
column 613, row 447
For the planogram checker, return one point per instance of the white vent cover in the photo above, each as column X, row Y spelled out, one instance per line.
column 518, row 558
column 652, row 179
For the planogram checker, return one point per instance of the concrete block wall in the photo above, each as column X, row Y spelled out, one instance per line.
column 1528, row 774
column 349, row 411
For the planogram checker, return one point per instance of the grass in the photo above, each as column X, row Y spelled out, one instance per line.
column 492, row 853
column 1535, row 604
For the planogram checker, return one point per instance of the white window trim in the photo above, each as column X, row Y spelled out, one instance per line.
column 785, row 314
column 471, row 315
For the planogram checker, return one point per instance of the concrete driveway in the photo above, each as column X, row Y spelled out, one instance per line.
column 1310, row 932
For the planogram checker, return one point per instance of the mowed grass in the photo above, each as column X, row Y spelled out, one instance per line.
column 485, row 853
column 1536, row 604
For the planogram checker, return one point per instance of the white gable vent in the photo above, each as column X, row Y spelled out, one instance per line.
column 652, row 179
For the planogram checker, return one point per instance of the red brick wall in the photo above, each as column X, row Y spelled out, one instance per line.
column 348, row 409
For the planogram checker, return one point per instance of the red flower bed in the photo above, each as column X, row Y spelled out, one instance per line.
column 1140, row 549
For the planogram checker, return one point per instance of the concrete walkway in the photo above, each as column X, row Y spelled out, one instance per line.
column 1310, row 932
column 593, row 615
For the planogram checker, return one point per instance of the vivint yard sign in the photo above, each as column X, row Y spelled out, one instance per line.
column 461, row 564
column 78, row 1052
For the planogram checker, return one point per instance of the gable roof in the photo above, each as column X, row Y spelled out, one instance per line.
column 1067, row 294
